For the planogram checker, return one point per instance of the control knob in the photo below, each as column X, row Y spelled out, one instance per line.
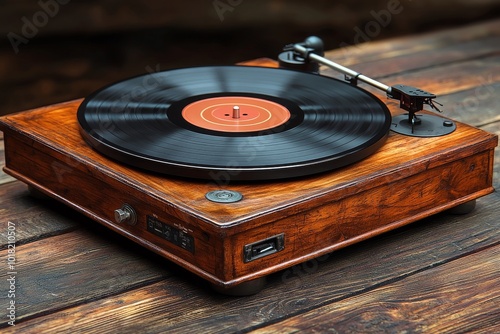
column 126, row 214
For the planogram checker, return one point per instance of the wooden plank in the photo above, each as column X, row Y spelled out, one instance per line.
column 460, row 296
column 425, row 58
column 453, row 77
column 78, row 267
column 476, row 106
column 349, row 54
column 176, row 304
column 34, row 219
column 444, row 79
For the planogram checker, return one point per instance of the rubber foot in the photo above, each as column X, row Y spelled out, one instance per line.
column 463, row 208
column 243, row 289
column 35, row 193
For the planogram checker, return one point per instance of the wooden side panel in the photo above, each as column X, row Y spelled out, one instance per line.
column 338, row 223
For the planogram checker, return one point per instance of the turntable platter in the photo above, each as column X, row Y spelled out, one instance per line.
column 248, row 123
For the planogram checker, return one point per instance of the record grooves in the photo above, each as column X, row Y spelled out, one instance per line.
column 300, row 123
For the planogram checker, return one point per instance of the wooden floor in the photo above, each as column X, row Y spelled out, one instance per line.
column 438, row 275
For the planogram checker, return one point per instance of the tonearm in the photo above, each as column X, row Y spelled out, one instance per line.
column 308, row 54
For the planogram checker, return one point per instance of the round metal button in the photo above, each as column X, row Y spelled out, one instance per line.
column 224, row 196
column 125, row 214
column 121, row 216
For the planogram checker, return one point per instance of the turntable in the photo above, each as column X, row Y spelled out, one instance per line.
column 237, row 172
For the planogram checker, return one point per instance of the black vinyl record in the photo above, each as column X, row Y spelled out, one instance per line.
column 234, row 123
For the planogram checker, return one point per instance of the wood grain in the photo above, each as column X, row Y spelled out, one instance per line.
column 441, row 80
column 425, row 43
column 34, row 219
column 419, row 58
column 451, row 304
column 77, row 267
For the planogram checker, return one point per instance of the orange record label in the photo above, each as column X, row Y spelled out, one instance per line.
column 235, row 114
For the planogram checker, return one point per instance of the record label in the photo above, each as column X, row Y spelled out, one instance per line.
column 235, row 114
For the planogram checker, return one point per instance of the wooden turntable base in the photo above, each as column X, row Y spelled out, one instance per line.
column 276, row 224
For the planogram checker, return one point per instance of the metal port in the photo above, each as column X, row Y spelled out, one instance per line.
column 264, row 247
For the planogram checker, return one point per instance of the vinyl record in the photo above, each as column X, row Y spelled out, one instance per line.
column 234, row 123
